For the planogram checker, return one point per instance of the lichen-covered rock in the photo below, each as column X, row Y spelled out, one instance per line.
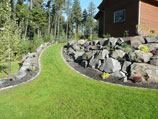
column 120, row 75
column 101, row 54
column 88, row 55
column 94, row 63
column 77, row 55
column 112, row 42
column 76, row 47
column 81, row 42
column 110, row 65
column 137, row 40
column 19, row 75
column 146, row 71
column 103, row 42
column 139, row 56
column 154, row 60
column 152, row 39
column 84, row 63
column 118, row 54
column 152, row 46
column 126, row 67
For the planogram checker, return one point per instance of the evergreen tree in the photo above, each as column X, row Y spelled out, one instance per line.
column 91, row 14
column 77, row 15
column 68, row 12
column 85, row 23
column 10, row 35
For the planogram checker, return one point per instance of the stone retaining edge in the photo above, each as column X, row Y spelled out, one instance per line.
column 100, row 80
column 40, row 69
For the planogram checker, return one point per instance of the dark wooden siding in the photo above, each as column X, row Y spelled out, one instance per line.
column 149, row 16
column 131, row 19
column 101, row 24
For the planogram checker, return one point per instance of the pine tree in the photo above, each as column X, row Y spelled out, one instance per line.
column 10, row 40
column 68, row 12
column 77, row 16
column 91, row 14
column 85, row 23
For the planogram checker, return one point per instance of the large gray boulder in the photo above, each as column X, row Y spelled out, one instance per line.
column 71, row 43
column 88, row 55
column 94, row 63
column 110, row 65
column 152, row 39
column 70, row 51
column 19, row 75
column 76, row 47
column 118, row 54
column 139, row 56
column 81, row 42
column 137, row 40
column 126, row 67
column 112, row 42
column 154, row 60
column 120, row 75
column 40, row 48
column 84, row 63
column 152, row 46
column 103, row 42
column 77, row 55
column 101, row 54
column 146, row 71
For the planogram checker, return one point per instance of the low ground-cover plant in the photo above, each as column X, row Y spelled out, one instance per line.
column 105, row 75
column 106, row 35
column 137, row 79
column 154, row 52
column 145, row 49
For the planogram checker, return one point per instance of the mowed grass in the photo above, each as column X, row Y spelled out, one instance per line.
column 4, row 69
column 60, row 93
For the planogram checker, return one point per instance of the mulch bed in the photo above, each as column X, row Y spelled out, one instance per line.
column 96, row 75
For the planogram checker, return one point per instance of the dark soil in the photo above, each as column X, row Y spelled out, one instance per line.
column 96, row 75
column 10, row 82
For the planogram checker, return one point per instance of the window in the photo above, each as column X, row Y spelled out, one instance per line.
column 119, row 16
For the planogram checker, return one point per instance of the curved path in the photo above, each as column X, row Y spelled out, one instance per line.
column 60, row 93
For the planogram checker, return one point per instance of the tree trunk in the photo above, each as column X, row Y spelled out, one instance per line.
column 49, row 22
column 58, row 28
column 55, row 28
column 67, row 29
column 30, row 4
column 9, row 63
column 26, row 29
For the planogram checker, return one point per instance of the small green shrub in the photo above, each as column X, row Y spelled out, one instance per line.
column 126, row 33
column 152, row 32
column 145, row 49
column 62, row 38
column 126, row 47
column 106, row 35
column 105, row 75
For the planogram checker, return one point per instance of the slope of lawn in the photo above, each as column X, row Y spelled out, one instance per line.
column 60, row 93
column 4, row 69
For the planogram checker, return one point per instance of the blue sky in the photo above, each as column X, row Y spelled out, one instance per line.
column 85, row 3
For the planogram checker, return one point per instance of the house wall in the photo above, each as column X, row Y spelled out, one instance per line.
column 149, row 17
column 101, row 25
column 131, row 19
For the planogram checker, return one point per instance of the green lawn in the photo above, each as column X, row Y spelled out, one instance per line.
column 4, row 69
column 60, row 93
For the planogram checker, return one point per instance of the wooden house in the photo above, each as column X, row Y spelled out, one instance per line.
column 135, row 16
